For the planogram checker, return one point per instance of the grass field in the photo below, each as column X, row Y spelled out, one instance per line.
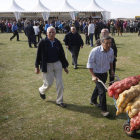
column 25, row 116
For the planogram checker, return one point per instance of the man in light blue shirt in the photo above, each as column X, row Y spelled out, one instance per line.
column 99, row 62
column 15, row 32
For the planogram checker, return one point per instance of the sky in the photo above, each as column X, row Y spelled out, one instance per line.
column 118, row 8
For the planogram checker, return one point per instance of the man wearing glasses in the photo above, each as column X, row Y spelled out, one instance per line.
column 105, row 32
column 99, row 62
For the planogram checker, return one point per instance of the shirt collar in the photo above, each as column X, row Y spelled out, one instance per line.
column 47, row 39
column 102, row 49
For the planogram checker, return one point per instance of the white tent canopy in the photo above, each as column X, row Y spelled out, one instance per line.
column 16, row 9
column 94, row 7
column 39, row 7
column 66, row 7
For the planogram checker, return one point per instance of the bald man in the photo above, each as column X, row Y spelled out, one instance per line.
column 73, row 42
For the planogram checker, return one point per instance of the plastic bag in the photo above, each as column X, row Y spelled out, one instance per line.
column 126, row 97
column 135, row 122
column 120, row 86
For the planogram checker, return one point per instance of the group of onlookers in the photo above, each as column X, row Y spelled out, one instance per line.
column 6, row 25
column 121, row 26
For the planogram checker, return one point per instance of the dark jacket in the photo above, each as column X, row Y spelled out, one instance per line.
column 29, row 30
column 97, row 27
column 85, row 29
column 41, row 58
column 113, row 46
column 68, row 40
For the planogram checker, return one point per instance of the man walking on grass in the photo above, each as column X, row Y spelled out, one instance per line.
column 15, row 32
column 99, row 62
column 51, row 58
column 73, row 42
column 29, row 32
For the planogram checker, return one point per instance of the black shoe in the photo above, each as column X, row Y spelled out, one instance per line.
column 75, row 66
column 10, row 39
column 35, row 46
column 18, row 40
column 96, row 105
column 62, row 105
column 43, row 96
column 30, row 46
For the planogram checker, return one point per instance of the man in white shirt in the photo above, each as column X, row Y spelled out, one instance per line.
column 36, row 30
column 99, row 62
column 91, row 29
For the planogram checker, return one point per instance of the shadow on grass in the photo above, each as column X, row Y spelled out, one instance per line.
column 117, row 69
column 23, row 40
column 137, row 135
column 1, row 44
column 91, row 110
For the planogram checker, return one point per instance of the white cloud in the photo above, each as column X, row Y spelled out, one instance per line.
column 126, row 1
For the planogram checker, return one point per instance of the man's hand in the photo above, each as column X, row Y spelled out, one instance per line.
column 66, row 70
column 37, row 71
column 67, row 46
column 95, row 79
column 81, row 46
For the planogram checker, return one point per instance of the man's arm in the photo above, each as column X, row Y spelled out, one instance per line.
column 94, row 78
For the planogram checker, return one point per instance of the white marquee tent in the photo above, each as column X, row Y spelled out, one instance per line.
column 14, row 8
column 66, row 7
column 94, row 7
column 39, row 7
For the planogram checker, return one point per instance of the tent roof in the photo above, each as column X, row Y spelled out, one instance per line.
column 92, row 7
column 65, row 7
column 14, row 8
column 39, row 7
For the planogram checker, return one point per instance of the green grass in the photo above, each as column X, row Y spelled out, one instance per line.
column 25, row 116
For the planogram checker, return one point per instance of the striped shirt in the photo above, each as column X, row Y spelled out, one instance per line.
column 100, row 60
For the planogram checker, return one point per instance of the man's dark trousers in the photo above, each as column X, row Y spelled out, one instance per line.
column 101, row 91
column 87, row 39
column 32, row 39
column 15, row 34
column 74, row 52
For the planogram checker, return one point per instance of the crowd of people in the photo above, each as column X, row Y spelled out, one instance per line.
column 51, row 57
column 64, row 26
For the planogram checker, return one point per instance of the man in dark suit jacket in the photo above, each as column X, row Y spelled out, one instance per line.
column 29, row 32
column 113, row 46
column 73, row 42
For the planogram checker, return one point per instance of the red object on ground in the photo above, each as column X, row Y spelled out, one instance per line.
column 135, row 122
column 120, row 86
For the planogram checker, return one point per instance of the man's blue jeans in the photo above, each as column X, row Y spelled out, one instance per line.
column 91, row 39
column 100, row 91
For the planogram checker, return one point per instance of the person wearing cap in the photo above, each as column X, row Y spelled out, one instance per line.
column 99, row 62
